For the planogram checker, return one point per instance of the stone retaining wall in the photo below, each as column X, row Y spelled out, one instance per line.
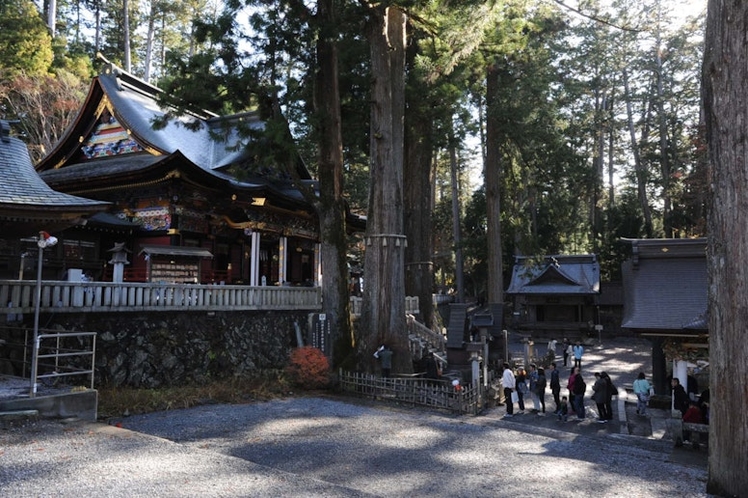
column 176, row 348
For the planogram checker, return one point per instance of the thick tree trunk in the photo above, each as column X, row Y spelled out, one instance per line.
column 335, row 292
column 493, row 175
column 456, row 221
column 725, row 99
column 418, row 173
column 383, row 314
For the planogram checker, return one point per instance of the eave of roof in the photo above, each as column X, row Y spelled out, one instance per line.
column 663, row 293
column 195, row 252
column 23, row 190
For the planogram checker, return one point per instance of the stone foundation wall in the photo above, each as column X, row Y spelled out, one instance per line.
column 176, row 348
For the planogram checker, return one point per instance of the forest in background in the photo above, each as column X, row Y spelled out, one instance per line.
column 596, row 107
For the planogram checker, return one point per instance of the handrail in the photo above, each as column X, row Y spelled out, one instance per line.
column 63, row 351
column 433, row 339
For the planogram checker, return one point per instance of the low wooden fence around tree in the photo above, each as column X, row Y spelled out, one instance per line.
column 441, row 394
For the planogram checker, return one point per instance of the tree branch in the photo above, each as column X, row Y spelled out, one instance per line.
column 594, row 18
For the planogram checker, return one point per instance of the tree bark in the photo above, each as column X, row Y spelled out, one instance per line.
column 383, row 314
column 725, row 97
column 641, row 176
column 456, row 220
column 418, row 198
column 493, row 175
column 331, row 211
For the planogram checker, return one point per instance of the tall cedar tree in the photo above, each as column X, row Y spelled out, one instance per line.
column 725, row 92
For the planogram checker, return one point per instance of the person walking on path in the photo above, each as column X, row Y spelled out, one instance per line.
column 552, row 348
column 578, row 351
column 600, row 395
column 567, row 351
column 555, row 386
column 509, row 383
column 540, row 388
column 641, row 391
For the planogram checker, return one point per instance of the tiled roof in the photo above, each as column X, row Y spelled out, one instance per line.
column 22, row 188
column 665, row 285
column 560, row 274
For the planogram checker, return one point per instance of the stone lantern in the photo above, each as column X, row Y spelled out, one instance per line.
column 119, row 260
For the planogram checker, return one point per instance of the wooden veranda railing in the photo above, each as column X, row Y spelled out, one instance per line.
column 411, row 305
column 440, row 394
column 17, row 297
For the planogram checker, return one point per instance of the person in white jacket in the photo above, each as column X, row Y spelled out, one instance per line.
column 508, row 382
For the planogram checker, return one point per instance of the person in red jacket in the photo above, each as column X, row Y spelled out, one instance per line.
column 693, row 416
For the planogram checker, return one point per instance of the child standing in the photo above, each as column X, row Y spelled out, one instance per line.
column 563, row 409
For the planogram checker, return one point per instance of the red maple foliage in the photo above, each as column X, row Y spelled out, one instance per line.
column 308, row 368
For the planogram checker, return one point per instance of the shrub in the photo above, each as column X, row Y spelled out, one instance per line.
column 308, row 368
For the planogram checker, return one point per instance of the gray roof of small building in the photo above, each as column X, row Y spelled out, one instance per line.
column 559, row 275
column 665, row 285
column 23, row 188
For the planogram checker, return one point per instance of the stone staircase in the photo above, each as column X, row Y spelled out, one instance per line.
column 423, row 340
column 457, row 325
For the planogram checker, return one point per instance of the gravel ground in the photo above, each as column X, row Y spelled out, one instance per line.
column 326, row 446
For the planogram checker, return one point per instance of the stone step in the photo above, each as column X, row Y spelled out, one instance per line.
column 17, row 418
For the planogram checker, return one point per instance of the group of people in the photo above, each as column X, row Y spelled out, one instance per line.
column 523, row 384
column 518, row 385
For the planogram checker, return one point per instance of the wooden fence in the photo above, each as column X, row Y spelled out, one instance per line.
column 441, row 394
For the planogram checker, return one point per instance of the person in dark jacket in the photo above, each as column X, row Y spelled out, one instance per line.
column 680, row 397
column 579, row 389
column 521, row 387
column 600, row 395
column 540, row 388
column 555, row 386
column 612, row 391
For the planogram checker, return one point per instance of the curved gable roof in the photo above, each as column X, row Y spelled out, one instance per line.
column 209, row 141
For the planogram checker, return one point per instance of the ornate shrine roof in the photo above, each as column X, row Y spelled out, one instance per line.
column 27, row 203
column 113, row 140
